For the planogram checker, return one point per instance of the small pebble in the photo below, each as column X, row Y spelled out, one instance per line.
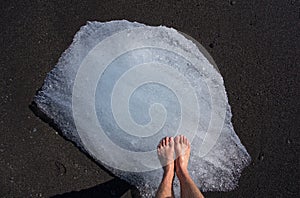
column 60, row 168
column 232, row 2
column 261, row 156
column 293, row 2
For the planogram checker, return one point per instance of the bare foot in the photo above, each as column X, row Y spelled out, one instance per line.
column 182, row 152
column 165, row 152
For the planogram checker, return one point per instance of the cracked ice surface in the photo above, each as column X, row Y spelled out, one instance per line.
column 155, row 83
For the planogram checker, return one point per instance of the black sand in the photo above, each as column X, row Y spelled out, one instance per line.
column 256, row 45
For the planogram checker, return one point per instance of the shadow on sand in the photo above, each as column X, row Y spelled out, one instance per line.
column 113, row 188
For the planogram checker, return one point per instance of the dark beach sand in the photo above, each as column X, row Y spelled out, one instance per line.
column 255, row 44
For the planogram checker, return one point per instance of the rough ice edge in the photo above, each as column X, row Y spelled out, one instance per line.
column 69, row 131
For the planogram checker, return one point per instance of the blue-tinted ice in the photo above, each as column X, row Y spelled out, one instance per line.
column 121, row 87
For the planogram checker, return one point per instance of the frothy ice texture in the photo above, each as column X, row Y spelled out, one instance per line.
column 218, row 170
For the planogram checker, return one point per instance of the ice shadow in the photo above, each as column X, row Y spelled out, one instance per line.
column 113, row 188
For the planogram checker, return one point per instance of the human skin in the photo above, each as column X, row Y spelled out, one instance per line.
column 182, row 148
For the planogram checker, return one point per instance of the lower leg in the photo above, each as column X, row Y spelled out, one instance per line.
column 165, row 188
column 188, row 188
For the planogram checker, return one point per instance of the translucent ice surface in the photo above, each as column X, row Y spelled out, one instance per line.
column 122, row 86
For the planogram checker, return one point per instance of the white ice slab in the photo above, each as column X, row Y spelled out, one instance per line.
column 122, row 86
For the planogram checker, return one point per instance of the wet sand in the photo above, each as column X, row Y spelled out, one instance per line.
column 255, row 45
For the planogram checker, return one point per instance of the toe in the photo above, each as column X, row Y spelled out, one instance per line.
column 160, row 147
column 185, row 141
column 166, row 141
column 161, row 142
column 181, row 139
column 171, row 141
column 188, row 142
column 176, row 139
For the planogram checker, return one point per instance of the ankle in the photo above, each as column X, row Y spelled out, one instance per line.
column 182, row 174
column 168, row 179
column 168, row 173
column 169, row 170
